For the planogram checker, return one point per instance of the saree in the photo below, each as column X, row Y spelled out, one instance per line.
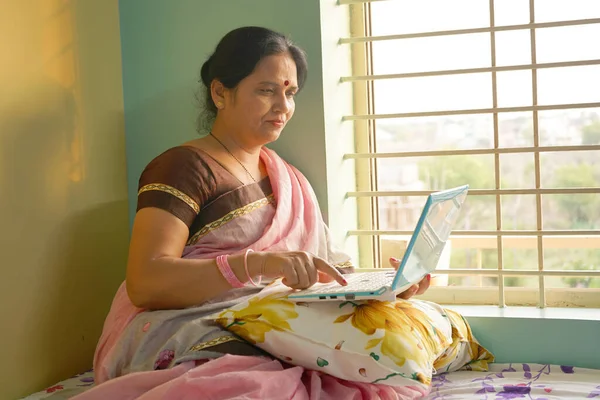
column 141, row 351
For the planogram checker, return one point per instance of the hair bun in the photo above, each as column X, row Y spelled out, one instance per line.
column 205, row 71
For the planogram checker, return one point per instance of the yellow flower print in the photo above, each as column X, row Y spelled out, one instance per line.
column 461, row 332
column 425, row 380
column 420, row 324
column 451, row 353
column 397, row 344
column 369, row 316
column 399, row 337
column 259, row 317
column 251, row 330
column 392, row 346
column 476, row 351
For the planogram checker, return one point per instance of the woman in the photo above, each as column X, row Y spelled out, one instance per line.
column 219, row 213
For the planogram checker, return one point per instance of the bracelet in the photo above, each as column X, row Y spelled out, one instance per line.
column 227, row 273
column 246, row 268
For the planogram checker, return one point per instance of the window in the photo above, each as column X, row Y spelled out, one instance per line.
column 503, row 95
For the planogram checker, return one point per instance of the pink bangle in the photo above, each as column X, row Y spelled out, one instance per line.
column 246, row 268
column 227, row 273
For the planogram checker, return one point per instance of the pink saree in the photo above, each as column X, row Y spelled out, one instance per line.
column 126, row 364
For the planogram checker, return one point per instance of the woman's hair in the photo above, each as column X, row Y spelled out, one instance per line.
column 236, row 57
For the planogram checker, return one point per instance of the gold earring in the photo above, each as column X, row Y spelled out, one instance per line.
column 219, row 105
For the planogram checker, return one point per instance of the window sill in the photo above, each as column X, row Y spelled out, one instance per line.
column 560, row 336
column 551, row 313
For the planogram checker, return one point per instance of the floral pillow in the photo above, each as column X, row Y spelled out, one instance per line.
column 398, row 343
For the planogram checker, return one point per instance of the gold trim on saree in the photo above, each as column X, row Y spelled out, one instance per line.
column 247, row 209
column 215, row 342
column 172, row 191
column 347, row 264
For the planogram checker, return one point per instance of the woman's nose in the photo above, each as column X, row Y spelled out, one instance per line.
column 283, row 105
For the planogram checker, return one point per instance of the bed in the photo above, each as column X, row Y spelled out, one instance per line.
column 518, row 381
column 67, row 388
column 503, row 381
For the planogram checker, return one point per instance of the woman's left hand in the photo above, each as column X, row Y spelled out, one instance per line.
column 418, row 288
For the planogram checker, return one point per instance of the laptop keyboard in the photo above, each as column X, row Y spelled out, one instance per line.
column 358, row 282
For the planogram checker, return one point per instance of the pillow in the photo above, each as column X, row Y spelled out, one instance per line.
column 465, row 352
column 397, row 343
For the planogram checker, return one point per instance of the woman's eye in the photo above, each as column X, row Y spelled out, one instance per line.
column 268, row 91
column 291, row 94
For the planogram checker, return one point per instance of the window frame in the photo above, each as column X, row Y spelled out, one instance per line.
column 371, row 250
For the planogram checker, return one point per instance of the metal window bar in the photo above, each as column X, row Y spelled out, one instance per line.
column 538, row 25
column 521, row 67
column 357, row 1
column 536, row 156
column 506, row 150
column 480, row 192
column 547, row 232
column 506, row 272
column 473, row 111
column 501, row 299
column 372, row 134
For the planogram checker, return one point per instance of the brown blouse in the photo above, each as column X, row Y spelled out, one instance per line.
column 184, row 180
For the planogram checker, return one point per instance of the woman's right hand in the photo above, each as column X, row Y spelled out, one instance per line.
column 299, row 269
column 416, row 289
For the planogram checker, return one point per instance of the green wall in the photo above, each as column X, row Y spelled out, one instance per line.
column 544, row 341
column 163, row 46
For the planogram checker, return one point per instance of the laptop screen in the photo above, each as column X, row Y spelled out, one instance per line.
column 437, row 220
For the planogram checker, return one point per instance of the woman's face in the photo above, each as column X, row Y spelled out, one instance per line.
column 260, row 106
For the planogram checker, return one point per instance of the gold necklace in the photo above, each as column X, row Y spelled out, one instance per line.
column 234, row 157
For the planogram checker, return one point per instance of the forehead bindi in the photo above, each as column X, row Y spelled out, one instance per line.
column 277, row 70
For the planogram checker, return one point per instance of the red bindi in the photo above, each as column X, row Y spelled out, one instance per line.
column 286, row 83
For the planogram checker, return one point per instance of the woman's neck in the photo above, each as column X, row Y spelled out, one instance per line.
column 234, row 144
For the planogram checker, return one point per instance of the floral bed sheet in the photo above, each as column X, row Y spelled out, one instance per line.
column 66, row 389
column 503, row 381
column 518, row 381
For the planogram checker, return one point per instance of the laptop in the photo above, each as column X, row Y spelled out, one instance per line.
column 437, row 219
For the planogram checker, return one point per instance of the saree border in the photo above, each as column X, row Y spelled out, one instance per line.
column 216, row 342
column 230, row 216
column 161, row 187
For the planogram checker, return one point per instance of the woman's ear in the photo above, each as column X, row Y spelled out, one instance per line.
column 217, row 92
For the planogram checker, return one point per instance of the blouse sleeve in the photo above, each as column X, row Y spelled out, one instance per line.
column 177, row 181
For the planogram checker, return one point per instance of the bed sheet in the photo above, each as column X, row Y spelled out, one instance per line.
column 503, row 381
column 518, row 381
column 66, row 389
